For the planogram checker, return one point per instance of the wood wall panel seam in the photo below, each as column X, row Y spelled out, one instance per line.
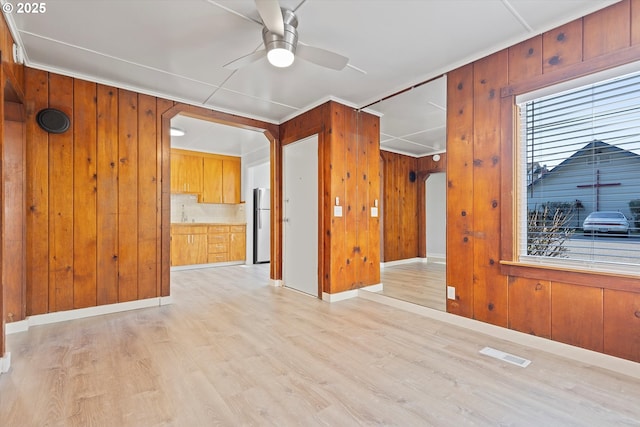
column 37, row 223
column 84, row 195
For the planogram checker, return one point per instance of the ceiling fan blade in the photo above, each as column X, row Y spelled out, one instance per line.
column 245, row 60
column 271, row 15
column 322, row 57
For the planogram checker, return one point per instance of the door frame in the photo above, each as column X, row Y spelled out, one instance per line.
column 271, row 132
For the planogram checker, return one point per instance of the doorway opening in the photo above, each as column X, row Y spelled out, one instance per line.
column 210, row 192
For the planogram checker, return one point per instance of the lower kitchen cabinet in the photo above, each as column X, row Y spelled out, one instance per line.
column 188, row 245
column 218, row 237
column 237, row 243
column 207, row 243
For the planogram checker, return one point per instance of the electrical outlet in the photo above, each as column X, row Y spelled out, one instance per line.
column 451, row 292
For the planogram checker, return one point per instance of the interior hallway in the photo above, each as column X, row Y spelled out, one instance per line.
column 233, row 350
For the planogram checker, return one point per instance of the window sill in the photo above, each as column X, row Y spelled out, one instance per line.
column 592, row 278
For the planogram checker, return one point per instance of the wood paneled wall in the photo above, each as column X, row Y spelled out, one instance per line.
column 12, row 185
column 93, row 218
column 403, row 207
column 349, row 246
column 598, row 312
column 400, row 206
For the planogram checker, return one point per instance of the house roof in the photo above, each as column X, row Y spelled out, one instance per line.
column 582, row 153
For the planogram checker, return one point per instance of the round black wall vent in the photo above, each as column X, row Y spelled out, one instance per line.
column 52, row 120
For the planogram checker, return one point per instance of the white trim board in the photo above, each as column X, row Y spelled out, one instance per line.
column 436, row 259
column 5, row 363
column 276, row 282
column 352, row 293
column 601, row 360
column 197, row 266
column 402, row 261
column 81, row 313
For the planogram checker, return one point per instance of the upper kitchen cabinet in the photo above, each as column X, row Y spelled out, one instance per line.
column 219, row 176
column 231, row 180
column 221, row 179
column 213, row 178
column 186, row 172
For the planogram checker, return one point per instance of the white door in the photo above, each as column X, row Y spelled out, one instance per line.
column 300, row 215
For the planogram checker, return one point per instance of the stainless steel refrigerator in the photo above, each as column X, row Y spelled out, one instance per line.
column 261, row 225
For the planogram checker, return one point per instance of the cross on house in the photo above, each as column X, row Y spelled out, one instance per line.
column 597, row 186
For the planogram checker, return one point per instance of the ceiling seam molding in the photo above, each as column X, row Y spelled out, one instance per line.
column 415, row 156
column 227, row 9
column 136, row 89
column 420, row 131
column 259, row 99
column 104, row 55
column 399, row 138
column 226, row 80
column 120, row 85
column 516, row 15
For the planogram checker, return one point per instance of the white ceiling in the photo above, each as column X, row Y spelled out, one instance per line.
column 176, row 49
column 210, row 137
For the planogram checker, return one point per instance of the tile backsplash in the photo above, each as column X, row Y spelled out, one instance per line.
column 185, row 208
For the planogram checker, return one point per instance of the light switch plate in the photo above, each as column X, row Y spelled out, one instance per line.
column 451, row 292
column 374, row 212
column 337, row 211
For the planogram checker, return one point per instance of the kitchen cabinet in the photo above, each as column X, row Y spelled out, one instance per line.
column 237, row 243
column 231, row 181
column 221, row 182
column 218, row 237
column 212, row 180
column 186, row 173
column 218, row 178
column 188, row 244
column 207, row 243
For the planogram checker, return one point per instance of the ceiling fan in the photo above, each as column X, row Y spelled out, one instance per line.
column 280, row 37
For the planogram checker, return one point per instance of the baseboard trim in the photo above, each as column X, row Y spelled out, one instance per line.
column 352, row 293
column 5, row 363
column 210, row 265
column 437, row 259
column 81, row 313
column 402, row 261
column 276, row 282
column 373, row 288
column 339, row 296
column 605, row 361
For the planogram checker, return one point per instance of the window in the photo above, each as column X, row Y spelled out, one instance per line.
column 579, row 202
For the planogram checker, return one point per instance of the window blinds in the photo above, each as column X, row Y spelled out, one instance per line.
column 580, row 153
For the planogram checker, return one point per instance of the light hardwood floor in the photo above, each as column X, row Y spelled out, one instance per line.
column 233, row 350
column 416, row 282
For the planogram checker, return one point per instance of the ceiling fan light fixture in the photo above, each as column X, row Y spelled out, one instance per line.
column 280, row 57
column 281, row 49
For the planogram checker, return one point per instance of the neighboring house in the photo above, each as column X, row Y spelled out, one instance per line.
column 535, row 171
column 599, row 176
